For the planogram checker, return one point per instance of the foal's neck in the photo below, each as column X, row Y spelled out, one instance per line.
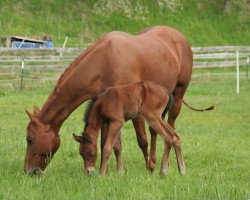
column 91, row 133
column 93, row 122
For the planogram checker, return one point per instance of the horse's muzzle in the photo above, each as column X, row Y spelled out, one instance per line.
column 34, row 171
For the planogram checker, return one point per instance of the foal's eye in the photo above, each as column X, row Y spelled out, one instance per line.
column 91, row 154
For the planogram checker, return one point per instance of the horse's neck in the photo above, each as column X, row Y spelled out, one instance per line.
column 73, row 88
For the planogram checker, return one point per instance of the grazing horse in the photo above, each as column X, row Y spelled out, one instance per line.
column 159, row 54
column 119, row 104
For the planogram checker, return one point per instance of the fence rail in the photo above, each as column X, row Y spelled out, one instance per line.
column 35, row 67
column 60, row 58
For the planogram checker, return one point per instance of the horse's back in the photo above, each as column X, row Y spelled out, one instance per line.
column 160, row 54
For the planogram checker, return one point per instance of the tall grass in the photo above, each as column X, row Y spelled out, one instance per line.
column 203, row 22
column 215, row 144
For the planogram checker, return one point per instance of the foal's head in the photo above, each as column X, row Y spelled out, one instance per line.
column 88, row 151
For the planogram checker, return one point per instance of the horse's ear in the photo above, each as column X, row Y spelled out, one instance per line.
column 31, row 116
column 77, row 138
column 36, row 110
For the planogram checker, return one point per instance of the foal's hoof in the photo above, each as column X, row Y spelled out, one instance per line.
column 163, row 173
column 151, row 166
column 89, row 170
column 120, row 170
column 182, row 172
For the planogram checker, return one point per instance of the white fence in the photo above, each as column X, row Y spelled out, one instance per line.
column 57, row 59
column 60, row 58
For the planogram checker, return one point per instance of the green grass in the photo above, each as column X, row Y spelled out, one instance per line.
column 215, row 144
column 203, row 22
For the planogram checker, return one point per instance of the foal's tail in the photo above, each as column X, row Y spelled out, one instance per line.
column 199, row 110
column 169, row 105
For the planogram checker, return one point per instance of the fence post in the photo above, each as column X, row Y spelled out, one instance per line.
column 247, row 67
column 21, row 86
column 64, row 44
column 238, row 71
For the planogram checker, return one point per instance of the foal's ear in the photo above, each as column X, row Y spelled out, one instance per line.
column 36, row 110
column 77, row 138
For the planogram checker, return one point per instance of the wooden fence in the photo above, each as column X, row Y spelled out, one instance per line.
column 60, row 58
column 27, row 68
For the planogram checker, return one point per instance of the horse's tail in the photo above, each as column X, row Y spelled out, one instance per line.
column 199, row 110
column 169, row 105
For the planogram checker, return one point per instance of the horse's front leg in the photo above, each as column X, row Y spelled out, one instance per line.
column 114, row 130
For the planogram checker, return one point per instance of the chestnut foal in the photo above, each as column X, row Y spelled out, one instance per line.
column 119, row 104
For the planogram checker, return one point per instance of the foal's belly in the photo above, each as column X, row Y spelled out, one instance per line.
column 131, row 113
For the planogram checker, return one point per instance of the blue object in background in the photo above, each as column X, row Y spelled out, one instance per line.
column 17, row 44
column 49, row 43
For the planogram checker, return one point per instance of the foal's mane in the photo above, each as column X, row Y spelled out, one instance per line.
column 88, row 111
column 85, row 137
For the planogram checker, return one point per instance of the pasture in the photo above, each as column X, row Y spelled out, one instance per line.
column 216, row 147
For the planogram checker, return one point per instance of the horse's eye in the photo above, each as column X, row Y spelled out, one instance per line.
column 29, row 141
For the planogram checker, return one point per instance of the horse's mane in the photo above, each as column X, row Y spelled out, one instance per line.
column 88, row 111
column 67, row 71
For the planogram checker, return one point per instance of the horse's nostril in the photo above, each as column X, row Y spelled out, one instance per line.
column 35, row 171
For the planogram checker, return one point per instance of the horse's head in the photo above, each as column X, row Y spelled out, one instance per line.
column 42, row 142
column 88, row 151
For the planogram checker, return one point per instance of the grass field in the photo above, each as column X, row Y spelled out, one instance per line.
column 216, row 148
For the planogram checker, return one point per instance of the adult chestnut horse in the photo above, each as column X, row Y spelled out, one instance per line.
column 160, row 54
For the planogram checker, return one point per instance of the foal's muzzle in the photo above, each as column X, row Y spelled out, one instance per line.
column 89, row 170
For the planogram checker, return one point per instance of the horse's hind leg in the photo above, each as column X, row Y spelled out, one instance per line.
column 152, row 157
column 139, row 125
column 174, row 112
column 118, row 154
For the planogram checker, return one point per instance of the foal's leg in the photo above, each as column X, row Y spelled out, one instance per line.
column 104, row 135
column 167, row 133
column 117, row 148
column 118, row 154
column 152, row 158
column 158, row 126
column 114, row 130
column 139, row 125
column 177, row 148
